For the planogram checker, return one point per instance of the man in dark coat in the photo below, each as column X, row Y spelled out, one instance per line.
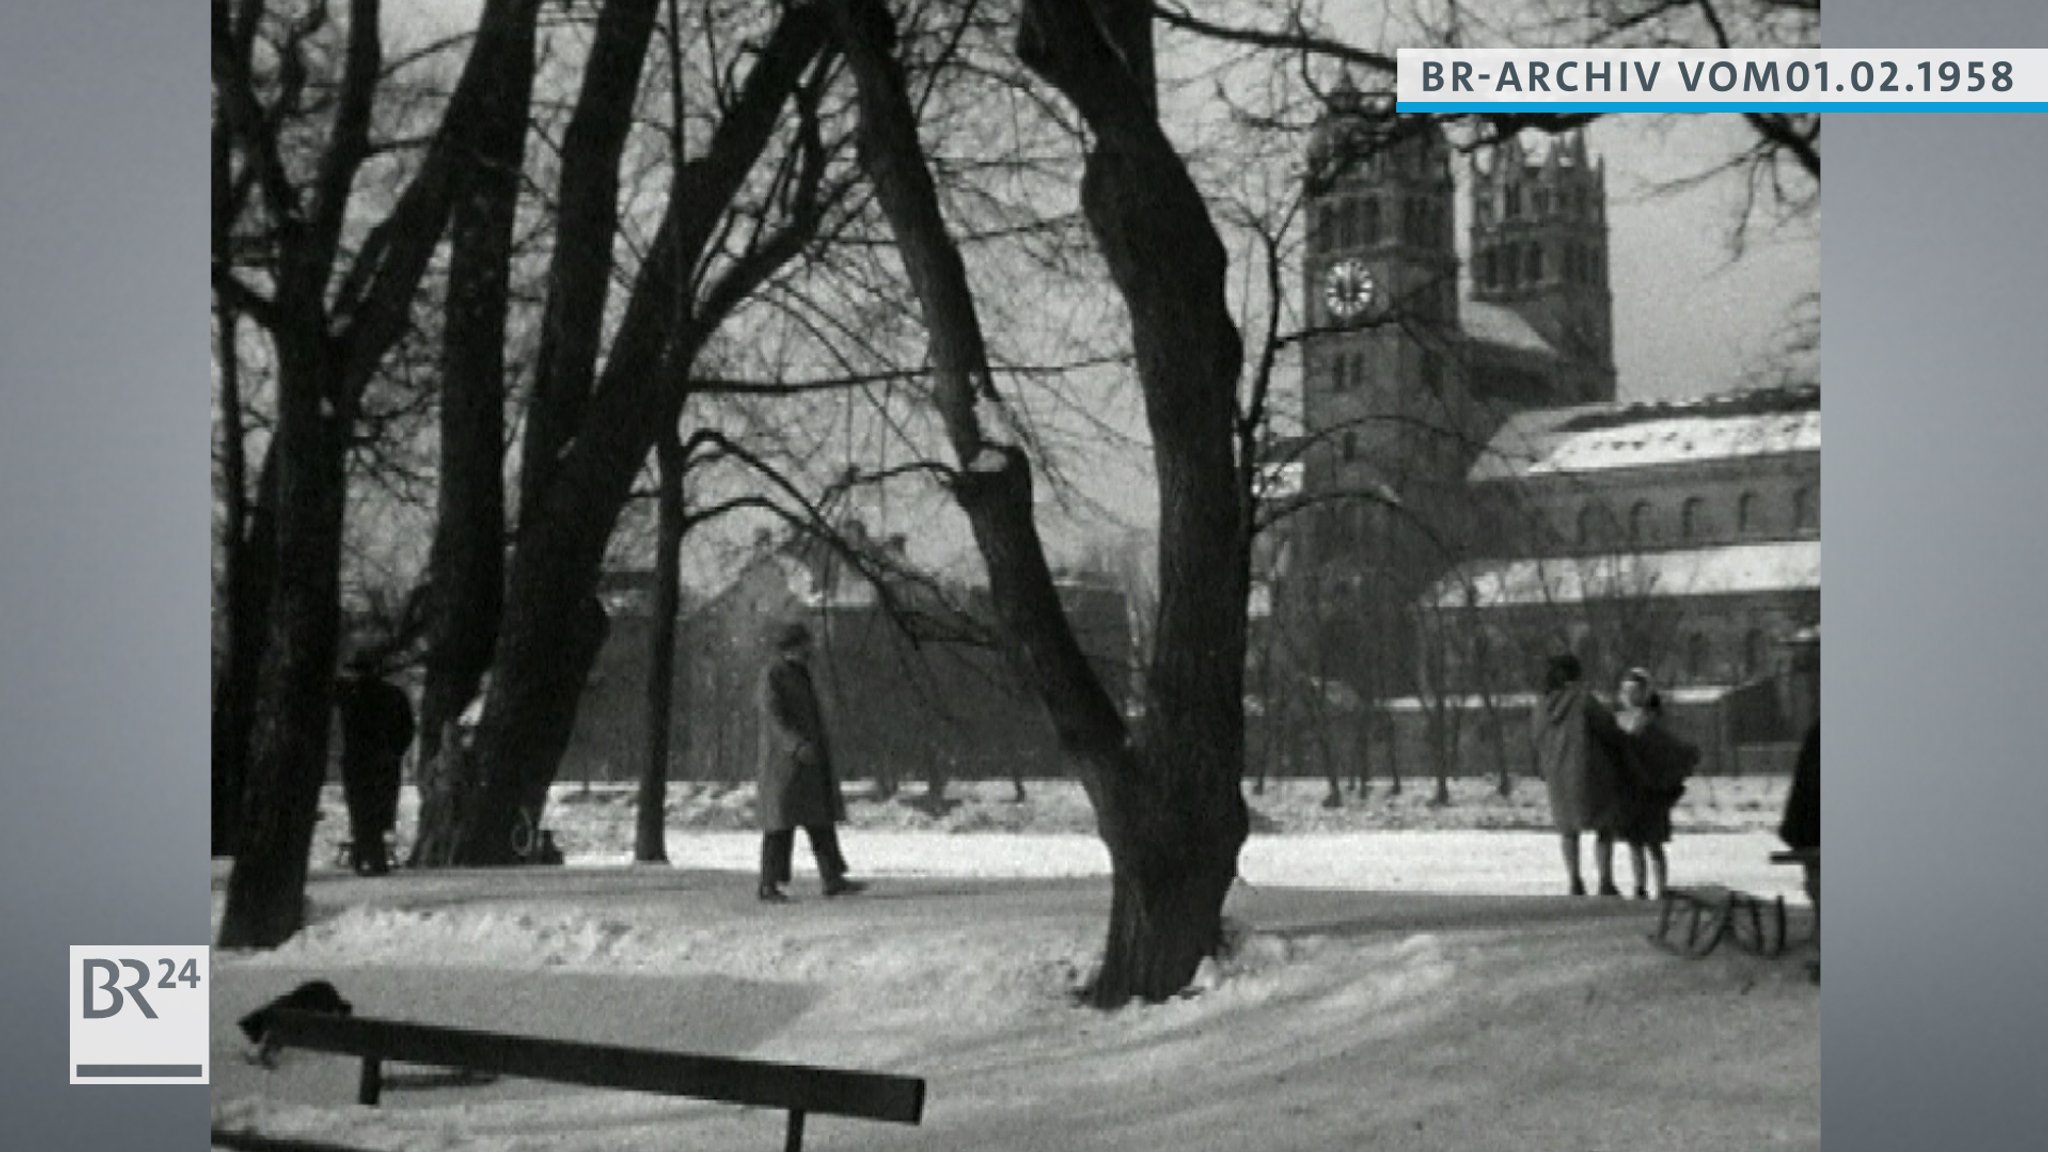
column 796, row 784
column 376, row 730
column 1578, row 751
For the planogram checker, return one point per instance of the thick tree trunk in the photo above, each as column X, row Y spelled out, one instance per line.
column 249, row 564
column 265, row 897
column 1167, row 799
column 331, row 329
column 649, row 832
column 552, row 625
column 467, row 566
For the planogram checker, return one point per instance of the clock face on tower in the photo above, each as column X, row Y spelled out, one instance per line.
column 1347, row 289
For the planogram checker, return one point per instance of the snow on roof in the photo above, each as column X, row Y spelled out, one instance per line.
column 1647, row 435
column 1782, row 566
column 1507, row 701
column 1494, row 324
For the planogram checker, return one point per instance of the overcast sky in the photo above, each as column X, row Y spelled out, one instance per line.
column 1689, row 316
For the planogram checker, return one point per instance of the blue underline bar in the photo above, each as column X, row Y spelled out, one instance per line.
column 1560, row 108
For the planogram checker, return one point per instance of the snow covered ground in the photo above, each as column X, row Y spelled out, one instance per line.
column 1420, row 989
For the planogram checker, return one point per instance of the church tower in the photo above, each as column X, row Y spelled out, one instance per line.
column 1380, row 297
column 1538, row 246
column 1380, row 289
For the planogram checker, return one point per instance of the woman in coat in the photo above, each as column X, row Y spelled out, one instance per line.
column 1657, row 766
column 795, row 783
column 1577, row 752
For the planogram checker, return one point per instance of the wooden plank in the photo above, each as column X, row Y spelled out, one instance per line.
column 766, row 1084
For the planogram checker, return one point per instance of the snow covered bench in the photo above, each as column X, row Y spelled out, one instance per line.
column 796, row 1088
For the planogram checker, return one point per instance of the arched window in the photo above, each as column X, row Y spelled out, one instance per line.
column 1692, row 518
column 1802, row 509
column 1698, row 654
column 1347, row 225
column 1641, row 528
column 1755, row 652
column 1746, row 514
column 1369, row 220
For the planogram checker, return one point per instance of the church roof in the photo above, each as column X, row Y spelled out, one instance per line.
column 1727, row 570
column 1601, row 437
column 1493, row 324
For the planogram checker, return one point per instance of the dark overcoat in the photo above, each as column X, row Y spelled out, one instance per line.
column 796, row 784
column 1576, row 747
column 1801, row 826
column 376, row 729
column 1655, row 770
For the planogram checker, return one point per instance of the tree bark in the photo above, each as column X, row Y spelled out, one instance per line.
column 1167, row 798
column 552, row 625
column 288, row 749
column 467, row 564
column 330, row 340
column 579, row 274
column 649, row 845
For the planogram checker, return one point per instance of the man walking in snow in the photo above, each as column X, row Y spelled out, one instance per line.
column 796, row 785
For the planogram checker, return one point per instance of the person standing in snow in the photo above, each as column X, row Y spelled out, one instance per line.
column 1578, row 752
column 376, row 730
column 1655, row 770
column 796, row 784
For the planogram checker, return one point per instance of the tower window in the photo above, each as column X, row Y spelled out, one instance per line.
column 1542, row 202
column 1369, row 220
column 1746, row 514
column 1692, row 518
column 1326, row 226
column 1753, row 654
column 1340, row 371
column 1588, row 526
column 1347, row 232
column 1535, row 259
column 1514, row 202
column 1641, row 528
column 1698, row 654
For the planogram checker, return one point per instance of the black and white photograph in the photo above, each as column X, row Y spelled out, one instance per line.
column 1008, row 574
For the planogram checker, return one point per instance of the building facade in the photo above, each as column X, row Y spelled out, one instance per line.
column 1467, row 496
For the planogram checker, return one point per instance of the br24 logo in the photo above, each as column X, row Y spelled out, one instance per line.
column 111, row 971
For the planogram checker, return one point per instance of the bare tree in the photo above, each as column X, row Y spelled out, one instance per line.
column 331, row 326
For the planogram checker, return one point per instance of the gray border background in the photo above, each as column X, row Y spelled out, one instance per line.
column 104, row 525
column 1937, row 395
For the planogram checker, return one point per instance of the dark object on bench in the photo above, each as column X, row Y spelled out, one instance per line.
column 1713, row 914
column 312, row 996
column 796, row 1088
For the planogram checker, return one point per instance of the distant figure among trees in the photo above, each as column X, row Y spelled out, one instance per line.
column 796, row 784
column 376, row 730
column 1579, row 750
